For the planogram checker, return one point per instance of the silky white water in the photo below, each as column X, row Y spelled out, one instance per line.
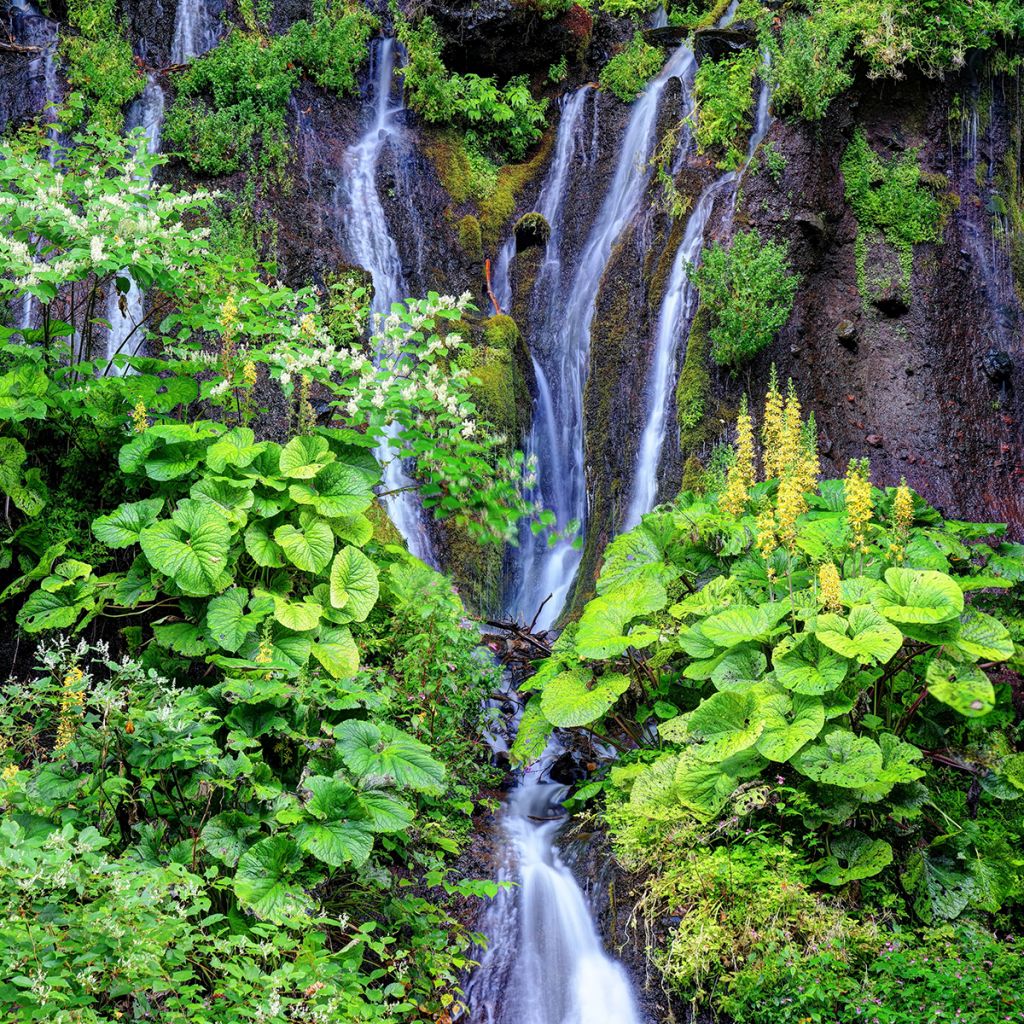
column 195, row 31
column 544, row 963
column 125, row 311
column 372, row 247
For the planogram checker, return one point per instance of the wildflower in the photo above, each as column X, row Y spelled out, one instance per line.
column 764, row 527
column 228, row 314
column 829, row 595
column 9, row 773
column 249, row 374
column 790, row 448
column 307, row 325
column 810, row 465
column 741, row 476
column 859, row 508
column 266, row 652
column 96, row 249
column 71, row 703
column 903, row 508
column 771, row 427
column 791, row 505
column 140, row 420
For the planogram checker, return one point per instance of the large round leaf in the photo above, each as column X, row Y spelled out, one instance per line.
column 226, row 619
column 339, row 831
column 740, row 624
column 238, row 447
column 853, row 855
column 121, row 528
column 310, row 548
column 964, row 687
column 261, row 546
column 920, row 596
column 303, row 457
column 386, row 753
column 297, row 615
column 983, row 636
column 705, row 787
column 265, row 881
column 740, row 667
column 601, row 632
column 804, row 664
column 337, row 652
column 354, row 583
column 337, row 490
column 574, row 698
column 191, row 547
column 726, row 723
column 532, row 735
column 841, row 760
column 866, row 636
column 789, row 724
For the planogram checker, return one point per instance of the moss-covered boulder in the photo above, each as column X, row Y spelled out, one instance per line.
column 532, row 230
column 470, row 238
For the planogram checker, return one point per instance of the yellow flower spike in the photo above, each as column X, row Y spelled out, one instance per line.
column 765, row 529
column 791, row 505
column 742, row 473
column 10, row 773
column 140, row 417
column 771, row 427
column 828, row 580
column 903, row 508
column 790, row 450
column 859, row 506
column 229, row 313
column 249, row 374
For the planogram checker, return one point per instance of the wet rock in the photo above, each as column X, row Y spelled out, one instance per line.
column 716, row 43
column 890, row 298
column 812, row 225
column 846, row 334
column 532, row 229
column 997, row 366
column 569, row 768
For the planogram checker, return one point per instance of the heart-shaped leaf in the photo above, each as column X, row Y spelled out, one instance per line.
column 261, row 546
column 384, row 752
column 121, row 528
column 191, row 547
column 920, row 596
column 725, row 723
column 226, row 619
column 868, row 637
column 964, row 687
column 310, row 548
column 841, row 760
column 337, row 490
column 789, row 724
column 238, row 447
column 853, row 855
column 574, row 698
column 804, row 664
column 265, row 881
column 337, row 652
column 303, row 457
column 354, row 583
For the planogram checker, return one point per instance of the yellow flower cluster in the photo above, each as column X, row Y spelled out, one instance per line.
column 903, row 508
column 9, row 773
column 767, row 542
column 140, row 418
column 771, row 428
column 249, row 374
column 742, row 474
column 859, row 506
column 829, row 595
column 229, row 314
column 71, row 703
column 307, row 325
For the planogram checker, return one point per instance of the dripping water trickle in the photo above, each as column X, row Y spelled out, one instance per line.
column 195, row 31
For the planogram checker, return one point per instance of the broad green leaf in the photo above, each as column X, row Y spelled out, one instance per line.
column 868, row 637
column 232, row 501
column 354, row 583
column 185, row 638
column 741, row 624
column 705, row 788
column 340, row 831
column 532, row 735
column 941, row 887
column 574, row 698
column 310, row 548
column 297, row 615
column 337, row 490
column 983, row 637
column 337, row 652
column 789, row 724
column 356, row 529
column 724, row 724
column 121, row 528
column 385, row 812
column 45, row 610
column 303, row 457
column 238, row 447
column 226, row 619
column 841, row 760
column 601, row 632
column 227, row 835
column 920, row 596
column 853, row 855
column 191, row 547
column 631, row 556
column 265, row 881
column 381, row 750
column 964, row 687
column 262, row 547
column 802, row 663
column 739, row 667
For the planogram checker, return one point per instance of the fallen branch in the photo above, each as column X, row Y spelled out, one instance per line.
column 490, row 293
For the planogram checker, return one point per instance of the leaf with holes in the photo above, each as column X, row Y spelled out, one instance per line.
column 983, row 637
column 842, row 759
column 726, row 723
column 853, row 855
column 740, row 667
column 804, row 664
column 789, row 723
column 964, row 687
column 920, row 596
column 868, row 637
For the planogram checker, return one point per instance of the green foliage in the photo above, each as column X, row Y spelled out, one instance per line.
column 99, row 62
column 748, row 290
column 231, row 102
column 888, row 199
column 501, row 121
column 723, row 93
column 629, row 71
column 635, row 9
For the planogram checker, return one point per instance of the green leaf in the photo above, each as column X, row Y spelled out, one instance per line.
column 122, row 527
column 533, row 733
column 705, row 788
column 337, row 652
column 853, row 855
column 601, row 630
column 303, row 457
column 741, row 624
column 920, row 596
column 964, row 687
column 340, row 832
column 227, row 622
column 983, row 637
column 804, row 664
column 841, row 760
column 383, row 751
column 631, row 556
column 45, row 610
column 573, row 698
column 724, row 724
column 232, row 501
column 261, row 546
column 310, row 548
column 297, row 615
column 338, row 490
column 191, row 548
column 356, row 529
column 868, row 637
column 740, row 667
column 226, row 836
column 185, row 638
column 789, row 724
column 265, row 881
column 238, row 447
column 385, row 812
column 942, row 888
column 354, row 583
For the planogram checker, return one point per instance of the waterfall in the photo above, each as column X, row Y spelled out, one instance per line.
column 195, row 31
column 675, row 316
column 125, row 311
column 561, row 312
column 544, row 963
column 372, row 246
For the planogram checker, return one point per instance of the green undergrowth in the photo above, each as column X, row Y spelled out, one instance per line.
column 629, row 71
column 230, row 106
column 723, row 93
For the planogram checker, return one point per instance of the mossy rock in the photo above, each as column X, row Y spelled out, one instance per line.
column 384, row 531
column 501, row 332
column 693, row 389
column 693, row 475
column 502, row 393
column 497, row 209
column 470, row 238
column 532, row 231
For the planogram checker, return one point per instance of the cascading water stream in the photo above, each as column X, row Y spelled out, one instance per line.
column 195, row 31
column 561, row 313
column 676, row 315
column 125, row 311
column 544, row 963
column 372, row 246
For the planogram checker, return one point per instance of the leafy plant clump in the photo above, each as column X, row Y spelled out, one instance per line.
column 629, row 71
column 723, row 93
column 748, row 291
column 828, row 667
